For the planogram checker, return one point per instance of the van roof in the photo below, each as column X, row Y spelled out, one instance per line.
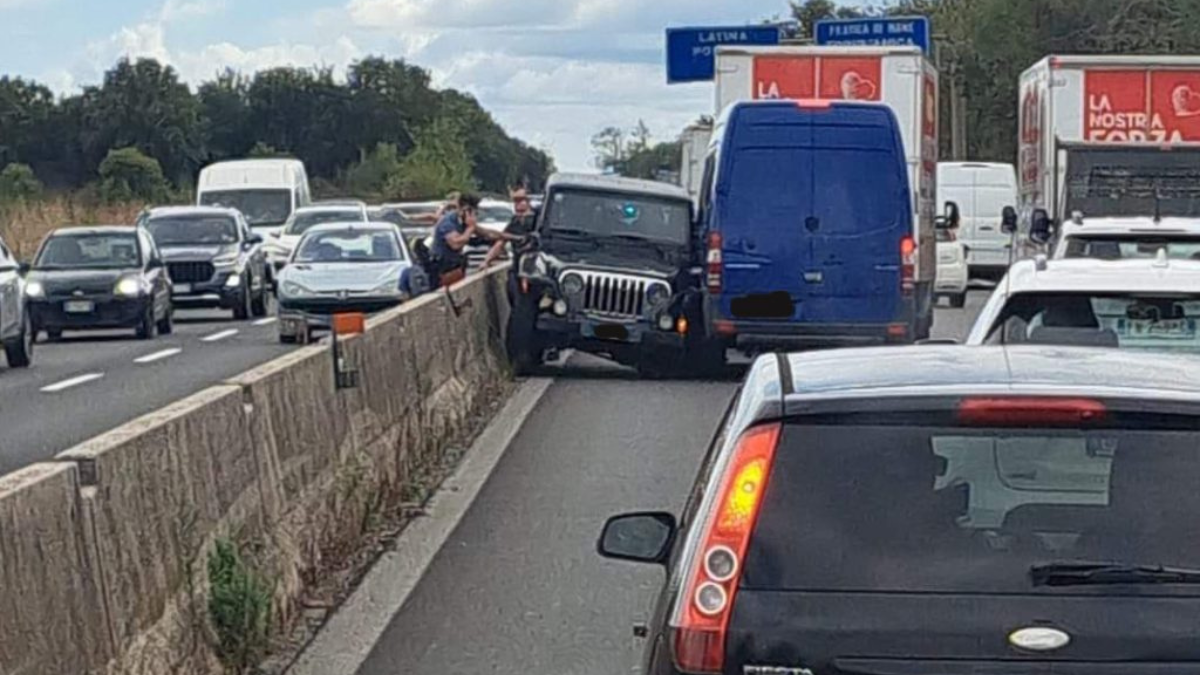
column 586, row 181
column 250, row 173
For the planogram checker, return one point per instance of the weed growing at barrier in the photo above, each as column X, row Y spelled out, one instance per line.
column 239, row 607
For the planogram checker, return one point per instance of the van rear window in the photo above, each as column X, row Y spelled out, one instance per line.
column 853, row 507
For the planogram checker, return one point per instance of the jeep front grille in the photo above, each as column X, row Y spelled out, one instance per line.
column 615, row 294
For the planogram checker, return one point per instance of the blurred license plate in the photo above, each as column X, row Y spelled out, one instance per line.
column 183, row 289
column 79, row 306
column 1175, row 329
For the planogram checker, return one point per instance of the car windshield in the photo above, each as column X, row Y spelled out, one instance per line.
column 305, row 220
column 1124, row 247
column 1154, row 321
column 874, row 507
column 261, row 208
column 344, row 246
column 495, row 214
column 1133, row 182
column 193, row 230
column 89, row 251
column 613, row 214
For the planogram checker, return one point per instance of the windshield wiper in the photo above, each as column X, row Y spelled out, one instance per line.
column 1095, row 573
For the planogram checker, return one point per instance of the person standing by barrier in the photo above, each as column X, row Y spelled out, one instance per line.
column 519, row 227
column 451, row 236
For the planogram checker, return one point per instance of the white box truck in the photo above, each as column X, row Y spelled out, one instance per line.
column 899, row 77
column 694, row 147
column 1104, row 139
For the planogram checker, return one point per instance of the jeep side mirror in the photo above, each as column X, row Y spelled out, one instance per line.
column 1040, row 226
column 1008, row 220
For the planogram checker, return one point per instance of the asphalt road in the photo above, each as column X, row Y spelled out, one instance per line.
column 518, row 587
column 90, row 383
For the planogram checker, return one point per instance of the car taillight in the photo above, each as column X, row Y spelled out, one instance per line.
column 908, row 265
column 701, row 619
column 715, row 267
column 1030, row 411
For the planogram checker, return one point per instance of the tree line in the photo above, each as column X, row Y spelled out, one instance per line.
column 382, row 131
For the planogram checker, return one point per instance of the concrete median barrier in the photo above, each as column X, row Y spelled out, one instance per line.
column 103, row 553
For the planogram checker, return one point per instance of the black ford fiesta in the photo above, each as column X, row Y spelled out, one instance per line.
column 99, row 278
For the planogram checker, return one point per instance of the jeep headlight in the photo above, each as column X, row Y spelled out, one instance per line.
column 571, row 284
column 658, row 295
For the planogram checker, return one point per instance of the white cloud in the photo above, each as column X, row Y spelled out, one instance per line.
column 182, row 9
column 202, row 65
column 409, row 14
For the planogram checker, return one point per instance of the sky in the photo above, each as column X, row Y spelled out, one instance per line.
column 552, row 72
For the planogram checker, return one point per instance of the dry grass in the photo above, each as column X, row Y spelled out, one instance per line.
column 24, row 224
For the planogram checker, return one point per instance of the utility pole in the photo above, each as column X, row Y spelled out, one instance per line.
column 948, row 66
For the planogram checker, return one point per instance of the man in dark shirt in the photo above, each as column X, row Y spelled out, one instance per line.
column 518, row 228
column 452, row 234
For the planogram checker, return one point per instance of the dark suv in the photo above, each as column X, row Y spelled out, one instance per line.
column 611, row 271
column 938, row 510
column 213, row 257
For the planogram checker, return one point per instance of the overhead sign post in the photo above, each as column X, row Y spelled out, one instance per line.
column 692, row 52
column 894, row 31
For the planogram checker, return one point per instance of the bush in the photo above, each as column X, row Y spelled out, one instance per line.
column 439, row 164
column 18, row 182
column 239, row 606
column 127, row 175
column 370, row 177
column 265, row 151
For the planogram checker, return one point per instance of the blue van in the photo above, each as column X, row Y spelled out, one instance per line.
column 808, row 219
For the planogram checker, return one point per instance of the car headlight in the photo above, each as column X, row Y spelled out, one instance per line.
column 226, row 260
column 129, row 287
column 35, row 289
column 294, row 289
column 571, row 284
column 658, row 295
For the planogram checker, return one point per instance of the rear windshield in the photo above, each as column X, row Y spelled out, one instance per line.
column 853, row 507
column 193, row 230
column 303, row 221
column 1119, row 248
column 1160, row 322
column 262, row 208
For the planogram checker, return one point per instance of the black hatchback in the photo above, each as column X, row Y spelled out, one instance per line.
column 99, row 278
column 938, row 511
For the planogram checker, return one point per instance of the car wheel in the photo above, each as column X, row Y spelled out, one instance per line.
column 287, row 339
column 958, row 301
column 241, row 311
column 167, row 325
column 258, row 306
column 145, row 329
column 19, row 351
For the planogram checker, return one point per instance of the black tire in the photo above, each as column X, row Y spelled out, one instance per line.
column 166, row 326
column 145, row 329
column 706, row 358
column 525, row 349
column 241, row 311
column 258, row 306
column 958, row 301
column 19, row 350
column 54, row 334
column 287, row 339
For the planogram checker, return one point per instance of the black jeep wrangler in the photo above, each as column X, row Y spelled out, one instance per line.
column 612, row 270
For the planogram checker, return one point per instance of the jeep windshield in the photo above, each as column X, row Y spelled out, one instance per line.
column 618, row 216
column 914, row 503
column 1155, row 321
column 1133, row 182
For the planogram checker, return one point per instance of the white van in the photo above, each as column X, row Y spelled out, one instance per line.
column 266, row 191
column 981, row 190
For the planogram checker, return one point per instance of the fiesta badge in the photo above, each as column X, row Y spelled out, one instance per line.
column 1038, row 639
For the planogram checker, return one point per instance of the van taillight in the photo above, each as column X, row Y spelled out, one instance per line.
column 908, row 265
column 1023, row 411
column 701, row 619
column 715, row 267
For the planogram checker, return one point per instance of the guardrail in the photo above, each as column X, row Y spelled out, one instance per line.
column 103, row 551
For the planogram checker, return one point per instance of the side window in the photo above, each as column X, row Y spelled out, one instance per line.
column 151, row 251
column 706, row 187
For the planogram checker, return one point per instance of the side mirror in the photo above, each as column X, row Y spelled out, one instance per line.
column 638, row 537
column 1040, row 226
column 23, row 268
column 952, row 217
column 1008, row 220
column 254, row 239
column 155, row 264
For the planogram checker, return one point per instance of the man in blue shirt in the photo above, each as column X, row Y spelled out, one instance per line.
column 452, row 234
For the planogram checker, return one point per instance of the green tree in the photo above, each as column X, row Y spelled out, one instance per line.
column 128, row 175
column 224, row 108
column 25, row 111
column 609, row 145
column 18, row 182
column 437, row 165
column 378, row 168
column 656, row 162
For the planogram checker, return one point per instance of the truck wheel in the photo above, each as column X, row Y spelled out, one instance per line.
column 706, row 358
column 19, row 350
column 521, row 340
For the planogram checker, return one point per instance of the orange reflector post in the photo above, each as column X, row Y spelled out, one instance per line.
column 350, row 323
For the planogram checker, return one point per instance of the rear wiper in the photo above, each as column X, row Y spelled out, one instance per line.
column 1093, row 573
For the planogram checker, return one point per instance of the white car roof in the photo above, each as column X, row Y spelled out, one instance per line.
column 175, row 211
column 330, row 208
column 1131, row 225
column 351, row 225
column 1088, row 274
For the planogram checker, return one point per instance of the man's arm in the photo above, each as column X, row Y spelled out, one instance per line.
column 459, row 240
column 494, row 253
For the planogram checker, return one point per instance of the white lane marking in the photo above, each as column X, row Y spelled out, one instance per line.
column 266, row 322
column 215, row 337
column 158, row 356
column 352, row 632
column 73, row 382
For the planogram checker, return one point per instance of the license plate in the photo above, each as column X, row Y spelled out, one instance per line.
column 183, row 289
column 1173, row 329
column 79, row 306
column 612, row 332
column 988, row 257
